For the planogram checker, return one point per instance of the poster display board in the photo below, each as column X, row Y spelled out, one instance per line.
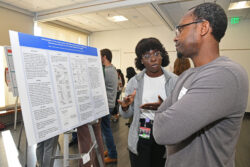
column 61, row 85
column 12, row 84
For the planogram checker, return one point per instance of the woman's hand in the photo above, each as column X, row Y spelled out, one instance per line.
column 127, row 101
column 152, row 106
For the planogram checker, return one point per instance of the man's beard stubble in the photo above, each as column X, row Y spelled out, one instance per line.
column 179, row 55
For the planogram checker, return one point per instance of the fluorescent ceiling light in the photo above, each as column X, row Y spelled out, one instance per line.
column 239, row 5
column 117, row 18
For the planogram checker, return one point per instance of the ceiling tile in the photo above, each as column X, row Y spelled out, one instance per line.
column 150, row 15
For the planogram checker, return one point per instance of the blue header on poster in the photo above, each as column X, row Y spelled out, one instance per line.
column 52, row 44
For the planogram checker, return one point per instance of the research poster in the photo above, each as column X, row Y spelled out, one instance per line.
column 61, row 85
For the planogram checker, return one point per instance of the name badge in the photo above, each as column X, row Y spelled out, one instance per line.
column 144, row 132
column 182, row 92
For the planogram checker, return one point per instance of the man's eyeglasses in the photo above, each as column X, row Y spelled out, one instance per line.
column 179, row 28
column 148, row 55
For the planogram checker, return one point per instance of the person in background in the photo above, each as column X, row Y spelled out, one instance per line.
column 74, row 139
column 85, row 143
column 111, row 82
column 150, row 85
column 130, row 73
column 200, row 122
column 45, row 150
column 181, row 65
column 121, row 83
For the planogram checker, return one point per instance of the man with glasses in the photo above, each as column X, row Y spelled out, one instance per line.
column 200, row 122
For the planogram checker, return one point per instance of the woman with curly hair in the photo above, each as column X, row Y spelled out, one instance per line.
column 152, row 84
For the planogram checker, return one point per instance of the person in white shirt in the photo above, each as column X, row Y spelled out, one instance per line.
column 150, row 85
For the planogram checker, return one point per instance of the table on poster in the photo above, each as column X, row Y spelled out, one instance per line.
column 61, row 85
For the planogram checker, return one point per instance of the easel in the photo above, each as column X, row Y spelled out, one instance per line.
column 15, row 119
column 26, row 146
column 66, row 157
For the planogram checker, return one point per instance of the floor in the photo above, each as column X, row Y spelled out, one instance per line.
column 120, row 132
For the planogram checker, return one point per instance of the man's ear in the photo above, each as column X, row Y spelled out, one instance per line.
column 205, row 28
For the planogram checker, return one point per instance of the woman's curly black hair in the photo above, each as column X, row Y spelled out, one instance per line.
column 146, row 45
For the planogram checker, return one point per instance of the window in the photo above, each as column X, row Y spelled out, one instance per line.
column 54, row 31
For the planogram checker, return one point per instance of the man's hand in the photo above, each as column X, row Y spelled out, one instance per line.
column 152, row 106
column 127, row 101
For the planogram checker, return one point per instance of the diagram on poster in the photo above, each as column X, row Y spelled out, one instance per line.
column 61, row 85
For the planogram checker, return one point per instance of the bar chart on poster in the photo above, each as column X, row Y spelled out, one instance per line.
column 61, row 85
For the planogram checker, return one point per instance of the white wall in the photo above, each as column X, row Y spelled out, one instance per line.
column 235, row 44
column 11, row 20
column 123, row 42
